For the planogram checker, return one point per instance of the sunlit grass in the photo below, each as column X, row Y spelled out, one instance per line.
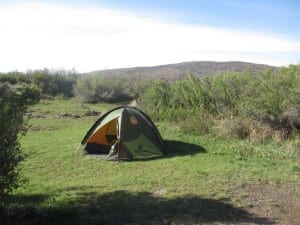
column 56, row 169
column 63, row 106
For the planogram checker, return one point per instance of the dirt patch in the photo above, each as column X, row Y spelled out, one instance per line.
column 278, row 202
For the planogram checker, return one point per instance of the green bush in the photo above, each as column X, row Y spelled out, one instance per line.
column 13, row 104
column 54, row 83
column 227, row 91
column 155, row 100
column 179, row 99
column 199, row 125
column 49, row 82
column 14, row 78
column 104, row 89
column 270, row 99
column 274, row 97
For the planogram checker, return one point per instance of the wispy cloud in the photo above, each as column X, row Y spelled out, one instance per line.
column 43, row 35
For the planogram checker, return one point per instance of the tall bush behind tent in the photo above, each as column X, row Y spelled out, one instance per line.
column 271, row 97
column 104, row 89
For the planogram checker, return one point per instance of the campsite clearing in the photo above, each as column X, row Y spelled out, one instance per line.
column 201, row 179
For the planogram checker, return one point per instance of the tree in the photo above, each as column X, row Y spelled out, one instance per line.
column 13, row 104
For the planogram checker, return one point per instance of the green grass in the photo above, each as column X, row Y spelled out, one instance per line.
column 61, row 105
column 184, row 187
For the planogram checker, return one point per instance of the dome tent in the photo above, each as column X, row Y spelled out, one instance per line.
column 124, row 133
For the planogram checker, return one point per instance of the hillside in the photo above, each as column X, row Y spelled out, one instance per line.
column 175, row 71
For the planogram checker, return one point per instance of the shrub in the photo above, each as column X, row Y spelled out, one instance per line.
column 197, row 124
column 270, row 101
column 155, row 101
column 54, row 83
column 227, row 90
column 12, row 108
column 103, row 89
column 236, row 128
column 272, row 95
column 14, row 78
column 247, row 128
column 290, row 118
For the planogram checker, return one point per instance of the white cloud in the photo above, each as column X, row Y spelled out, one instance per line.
column 41, row 35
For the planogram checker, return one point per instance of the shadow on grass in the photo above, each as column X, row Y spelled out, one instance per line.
column 179, row 148
column 121, row 207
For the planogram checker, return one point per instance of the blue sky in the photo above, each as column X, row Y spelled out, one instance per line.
column 276, row 16
column 90, row 35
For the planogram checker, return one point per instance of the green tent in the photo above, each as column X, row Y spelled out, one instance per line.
column 124, row 133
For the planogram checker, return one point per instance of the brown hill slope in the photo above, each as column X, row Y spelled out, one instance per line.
column 175, row 71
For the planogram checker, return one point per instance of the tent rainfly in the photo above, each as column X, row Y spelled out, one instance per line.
column 124, row 133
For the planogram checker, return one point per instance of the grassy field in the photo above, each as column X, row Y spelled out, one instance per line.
column 205, row 179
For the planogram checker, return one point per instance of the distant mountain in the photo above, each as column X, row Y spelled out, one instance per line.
column 175, row 71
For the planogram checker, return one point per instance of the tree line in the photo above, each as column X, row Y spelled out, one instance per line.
column 271, row 96
column 47, row 82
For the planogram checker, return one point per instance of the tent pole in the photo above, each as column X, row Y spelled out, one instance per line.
column 118, row 149
column 118, row 139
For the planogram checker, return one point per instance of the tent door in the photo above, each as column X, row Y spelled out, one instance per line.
column 101, row 141
column 111, row 133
